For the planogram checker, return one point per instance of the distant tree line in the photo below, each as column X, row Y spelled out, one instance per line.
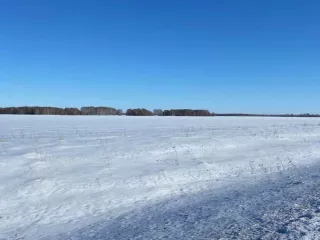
column 40, row 111
column 187, row 112
column 61, row 111
column 100, row 111
column 132, row 112
column 172, row 112
column 139, row 112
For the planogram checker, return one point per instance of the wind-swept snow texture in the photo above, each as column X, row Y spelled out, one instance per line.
column 79, row 177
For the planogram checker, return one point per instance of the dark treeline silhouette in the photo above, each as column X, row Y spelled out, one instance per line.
column 187, row 112
column 172, row 112
column 98, row 111
column 40, row 111
column 61, row 111
column 139, row 112
column 132, row 112
column 158, row 112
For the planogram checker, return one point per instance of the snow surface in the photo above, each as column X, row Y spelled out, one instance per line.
column 79, row 177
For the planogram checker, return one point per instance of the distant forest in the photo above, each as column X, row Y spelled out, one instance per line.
column 131, row 112
column 102, row 111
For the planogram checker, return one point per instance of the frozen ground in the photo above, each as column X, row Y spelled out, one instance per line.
column 64, row 177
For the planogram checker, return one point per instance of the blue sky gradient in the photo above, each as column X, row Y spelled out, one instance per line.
column 225, row 56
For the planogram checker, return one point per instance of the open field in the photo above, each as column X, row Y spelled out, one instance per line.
column 79, row 177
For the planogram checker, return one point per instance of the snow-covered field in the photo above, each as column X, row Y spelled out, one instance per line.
column 78, row 177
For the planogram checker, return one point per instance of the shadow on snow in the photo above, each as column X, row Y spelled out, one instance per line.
column 282, row 206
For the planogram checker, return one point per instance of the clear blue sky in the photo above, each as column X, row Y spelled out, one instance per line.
column 259, row 56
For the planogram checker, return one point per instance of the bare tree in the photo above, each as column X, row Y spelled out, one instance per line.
column 119, row 112
column 98, row 111
column 158, row 112
column 186, row 112
column 139, row 112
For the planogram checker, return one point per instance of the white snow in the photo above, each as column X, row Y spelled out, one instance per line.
column 83, row 177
